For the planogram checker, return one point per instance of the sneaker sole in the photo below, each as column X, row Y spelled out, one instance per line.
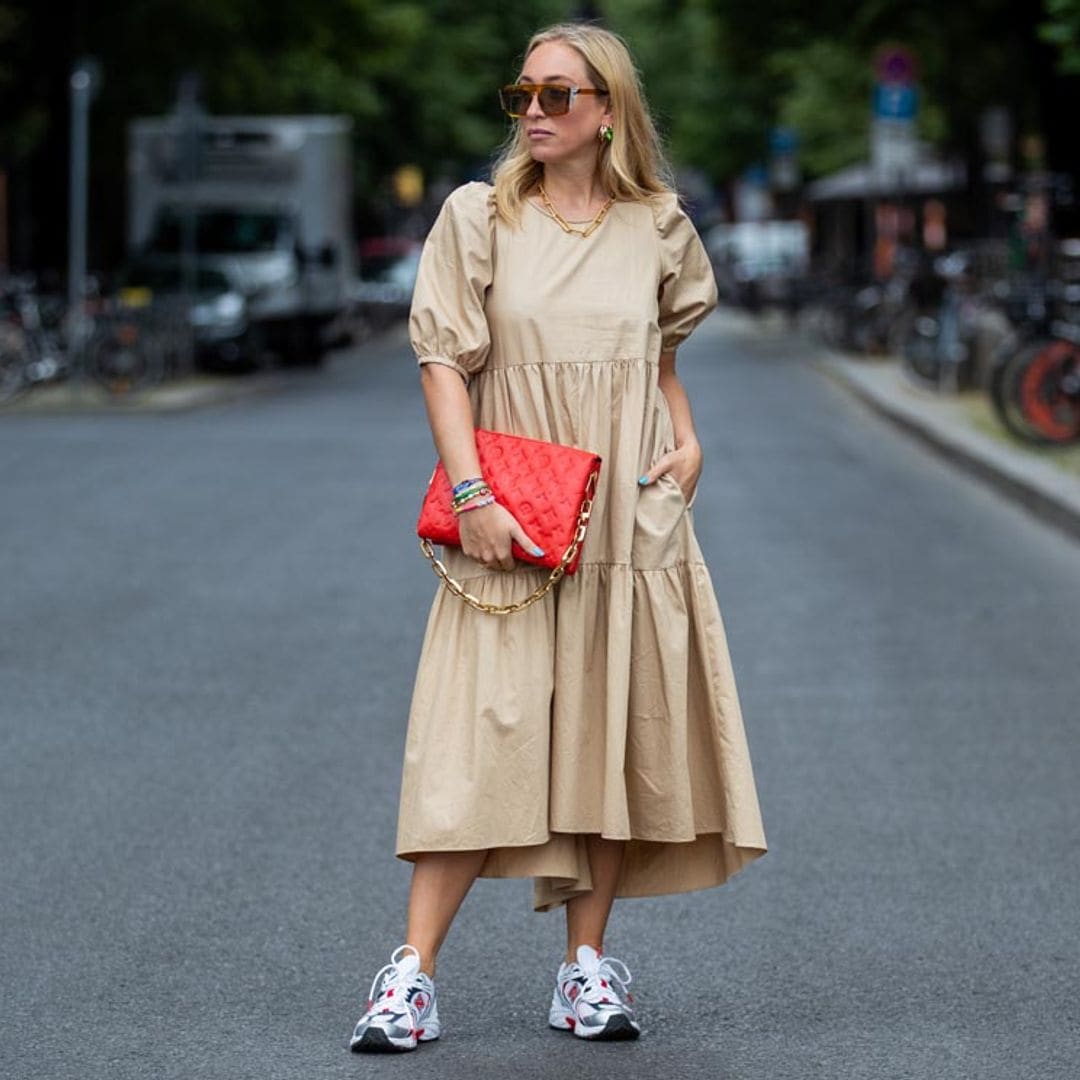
column 375, row 1041
column 617, row 1029
column 561, row 1020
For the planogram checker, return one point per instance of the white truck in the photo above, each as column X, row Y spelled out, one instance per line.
column 263, row 201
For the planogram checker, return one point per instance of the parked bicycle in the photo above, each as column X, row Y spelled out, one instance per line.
column 1035, row 379
column 123, row 354
column 940, row 328
column 861, row 316
column 131, row 342
column 32, row 345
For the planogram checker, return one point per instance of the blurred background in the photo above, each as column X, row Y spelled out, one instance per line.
column 254, row 178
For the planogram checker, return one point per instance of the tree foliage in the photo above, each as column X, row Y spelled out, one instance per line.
column 22, row 126
column 418, row 79
column 419, row 76
column 721, row 73
column 1061, row 28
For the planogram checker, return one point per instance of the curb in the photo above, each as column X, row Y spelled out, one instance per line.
column 1048, row 492
column 179, row 396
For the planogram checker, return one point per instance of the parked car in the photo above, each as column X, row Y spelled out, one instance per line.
column 223, row 334
column 388, row 268
column 758, row 262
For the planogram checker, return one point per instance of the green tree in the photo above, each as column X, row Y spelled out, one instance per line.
column 419, row 79
column 25, row 121
column 1061, row 28
column 721, row 73
column 419, row 76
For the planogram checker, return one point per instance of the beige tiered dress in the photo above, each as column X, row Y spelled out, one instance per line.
column 610, row 706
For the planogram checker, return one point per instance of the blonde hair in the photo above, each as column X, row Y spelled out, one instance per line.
column 632, row 166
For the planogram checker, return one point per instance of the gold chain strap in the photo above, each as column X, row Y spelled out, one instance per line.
column 541, row 590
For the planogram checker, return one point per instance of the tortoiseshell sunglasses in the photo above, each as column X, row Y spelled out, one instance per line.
column 555, row 100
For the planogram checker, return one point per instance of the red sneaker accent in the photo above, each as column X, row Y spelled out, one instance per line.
column 419, row 1032
column 571, row 1020
column 603, row 984
column 390, row 992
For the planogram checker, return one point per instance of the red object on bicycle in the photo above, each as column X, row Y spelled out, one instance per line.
column 1045, row 400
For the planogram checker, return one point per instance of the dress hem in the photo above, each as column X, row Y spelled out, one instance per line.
column 559, row 866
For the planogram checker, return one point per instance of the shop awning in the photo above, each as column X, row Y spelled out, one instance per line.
column 859, row 181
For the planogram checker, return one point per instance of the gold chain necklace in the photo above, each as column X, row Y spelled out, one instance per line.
column 566, row 226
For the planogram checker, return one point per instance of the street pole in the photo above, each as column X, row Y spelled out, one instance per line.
column 189, row 113
column 4, row 260
column 84, row 82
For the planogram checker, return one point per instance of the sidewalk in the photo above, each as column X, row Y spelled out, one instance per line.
column 191, row 392
column 966, row 430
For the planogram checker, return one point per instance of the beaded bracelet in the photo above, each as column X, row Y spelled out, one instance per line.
column 487, row 500
column 472, row 493
column 477, row 487
column 472, row 497
column 465, row 483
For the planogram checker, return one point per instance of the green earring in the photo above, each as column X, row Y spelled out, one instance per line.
column 607, row 133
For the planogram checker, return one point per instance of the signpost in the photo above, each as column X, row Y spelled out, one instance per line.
column 893, row 152
column 784, row 174
column 893, row 147
column 84, row 81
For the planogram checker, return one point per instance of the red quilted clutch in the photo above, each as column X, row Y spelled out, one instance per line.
column 547, row 486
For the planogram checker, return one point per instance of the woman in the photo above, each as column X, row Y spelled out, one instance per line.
column 592, row 741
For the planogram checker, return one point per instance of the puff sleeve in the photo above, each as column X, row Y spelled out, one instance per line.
column 687, row 291
column 447, row 323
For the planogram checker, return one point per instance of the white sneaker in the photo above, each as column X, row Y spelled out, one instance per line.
column 401, row 1009
column 591, row 998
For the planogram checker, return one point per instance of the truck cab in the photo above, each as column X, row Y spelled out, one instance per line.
column 266, row 201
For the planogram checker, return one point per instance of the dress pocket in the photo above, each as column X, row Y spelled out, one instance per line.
column 661, row 508
column 687, row 503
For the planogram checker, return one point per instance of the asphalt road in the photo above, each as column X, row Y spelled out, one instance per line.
column 208, row 633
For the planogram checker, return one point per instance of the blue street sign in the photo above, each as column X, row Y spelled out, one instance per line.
column 895, row 101
column 783, row 140
column 756, row 174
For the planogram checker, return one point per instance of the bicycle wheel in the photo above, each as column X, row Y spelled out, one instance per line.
column 14, row 357
column 838, row 327
column 921, row 361
column 1005, row 389
column 122, row 358
column 1049, row 391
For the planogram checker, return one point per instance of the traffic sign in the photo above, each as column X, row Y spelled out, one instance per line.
column 895, row 101
column 897, row 65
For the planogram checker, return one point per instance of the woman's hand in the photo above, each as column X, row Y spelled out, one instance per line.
column 486, row 535
column 684, row 464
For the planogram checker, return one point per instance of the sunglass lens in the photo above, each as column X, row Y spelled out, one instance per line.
column 514, row 100
column 555, row 100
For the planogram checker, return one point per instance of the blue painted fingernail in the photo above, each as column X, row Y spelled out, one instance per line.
column 643, row 480
column 538, row 551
